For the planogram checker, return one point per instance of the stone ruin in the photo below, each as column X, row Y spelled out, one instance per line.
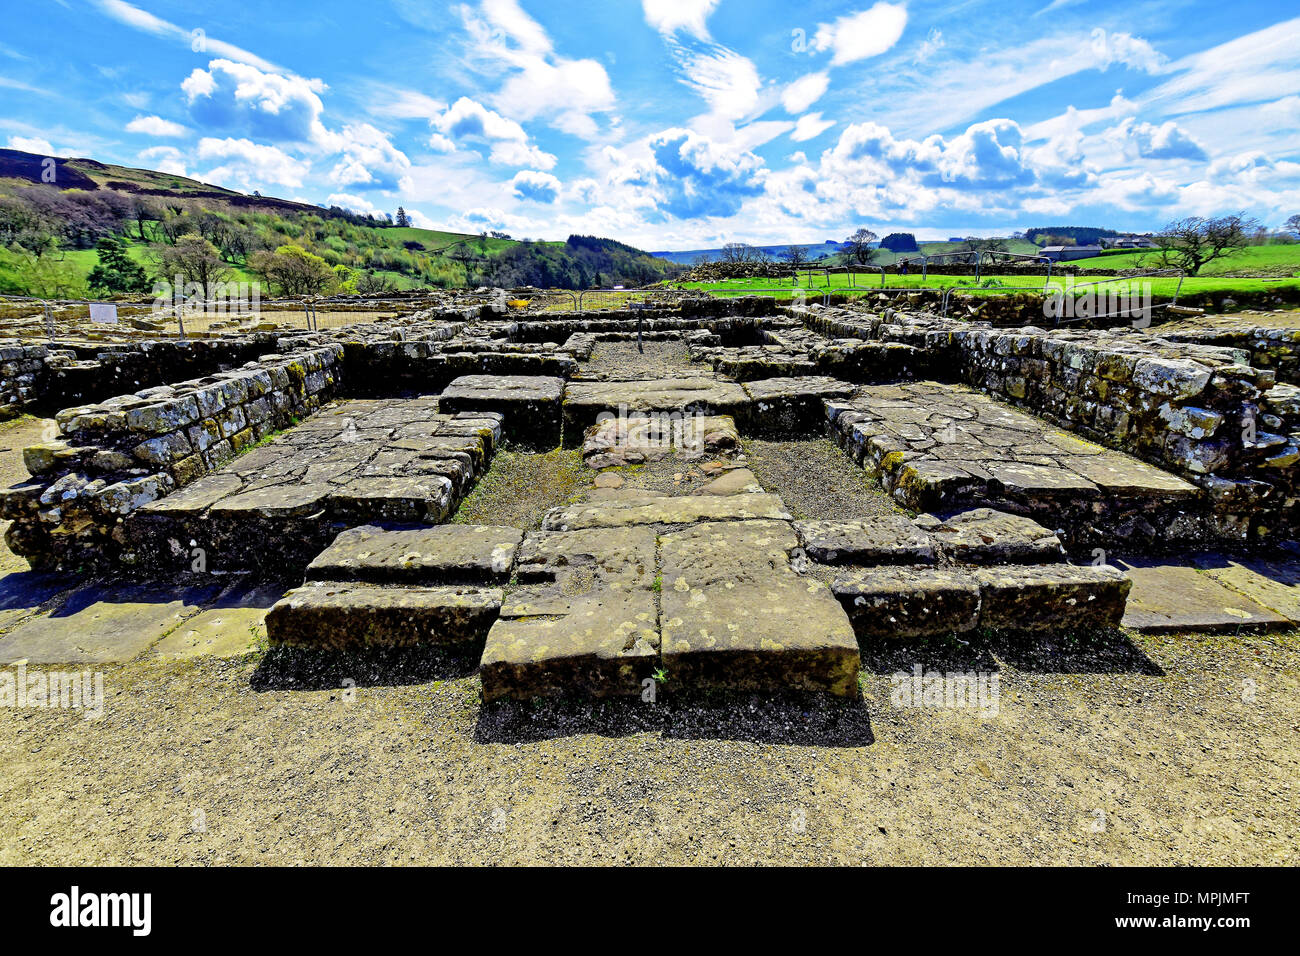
column 339, row 459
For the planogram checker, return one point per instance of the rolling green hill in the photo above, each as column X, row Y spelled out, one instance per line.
column 48, row 233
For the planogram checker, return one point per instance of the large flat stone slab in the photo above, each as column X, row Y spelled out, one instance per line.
column 908, row 602
column 530, row 404
column 585, row 402
column 104, row 624
column 351, row 616
column 443, row 554
column 665, row 510
column 735, row 616
column 231, row 627
column 1171, row 598
column 884, row 539
column 1051, row 597
column 621, row 440
column 1274, row 584
column 787, row 407
column 584, row 620
column 986, row 536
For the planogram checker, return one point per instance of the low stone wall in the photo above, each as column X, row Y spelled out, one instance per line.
column 118, row 455
column 22, row 377
column 1268, row 348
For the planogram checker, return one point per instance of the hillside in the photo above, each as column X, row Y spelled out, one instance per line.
column 49, row 233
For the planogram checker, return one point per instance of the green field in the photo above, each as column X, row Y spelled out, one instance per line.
column 1161, row 288
column 1268, row 258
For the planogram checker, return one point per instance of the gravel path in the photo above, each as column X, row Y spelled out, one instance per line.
column 816, row 480
column 1160, row 760
column 661, row 359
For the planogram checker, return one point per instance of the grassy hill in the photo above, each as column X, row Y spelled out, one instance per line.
column 1274, row 259
column 48, row 232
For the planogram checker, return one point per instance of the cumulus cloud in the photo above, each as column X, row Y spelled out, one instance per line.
column 354, row 203
column 369, row 159
column 155, row 126
column 697, row 178
column 534, row 185
column 246, row 165
column 858, row 36
column 238, row 97
column 1166, row 141
column 467, row 120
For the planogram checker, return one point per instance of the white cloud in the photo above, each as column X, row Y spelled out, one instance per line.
column 931, row 45
column 197, row 40
column 810, row 126
column 858, row 36
column 155, row 126
column 539, row 83
column 1148, row 141
column 804, row 92
column 727, row 81
column 31, row 144
column 669, row 16
column 369, row 159
column 241, row 98
column 165, row 159
column 534, row 185
column 247, row 165
column 468, row 119
column 354, row 203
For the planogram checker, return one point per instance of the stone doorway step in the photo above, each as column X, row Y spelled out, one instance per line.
column 691, row 592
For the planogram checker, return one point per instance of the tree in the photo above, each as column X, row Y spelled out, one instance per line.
column 1292, row 225
column 738, row 252
column 1191, row 244
column 194, row 260
column 294, row 270
column 900, row 242
column 116, row 271
column 371, row 282
column 401, row 220
column 858, row 247
column 797, row 256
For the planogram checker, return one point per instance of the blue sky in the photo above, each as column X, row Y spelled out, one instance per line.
column 679, row 124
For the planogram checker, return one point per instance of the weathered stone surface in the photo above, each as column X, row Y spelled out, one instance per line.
column 884, row 539
column 103, row 624
column 908, row 602
column 622, row 440
column 584, row 402
column 986, row 536
column 530, row 404
column 414, row 498
column 735, row 481
column 584, row 620
column 665, row 510
column 1055, row 596
column 736, row 616
column 231, row 627
column 446, row 554
column 784, row 407
column 350, row 616
column 1275, row 584
column 275, row 501
column 1172, row 598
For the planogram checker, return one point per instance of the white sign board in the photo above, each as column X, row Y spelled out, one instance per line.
column 103, row 312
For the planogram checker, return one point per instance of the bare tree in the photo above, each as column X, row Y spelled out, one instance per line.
column 1292, row 225
column 1193, row 243
column 858, row 247
column 797, row 256
column 738, row 252
column 192, row 258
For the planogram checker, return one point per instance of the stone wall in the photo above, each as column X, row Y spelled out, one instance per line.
column 116, row 456
column 22, row 376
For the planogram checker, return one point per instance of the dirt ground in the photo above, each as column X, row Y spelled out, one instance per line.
column 213, row 761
